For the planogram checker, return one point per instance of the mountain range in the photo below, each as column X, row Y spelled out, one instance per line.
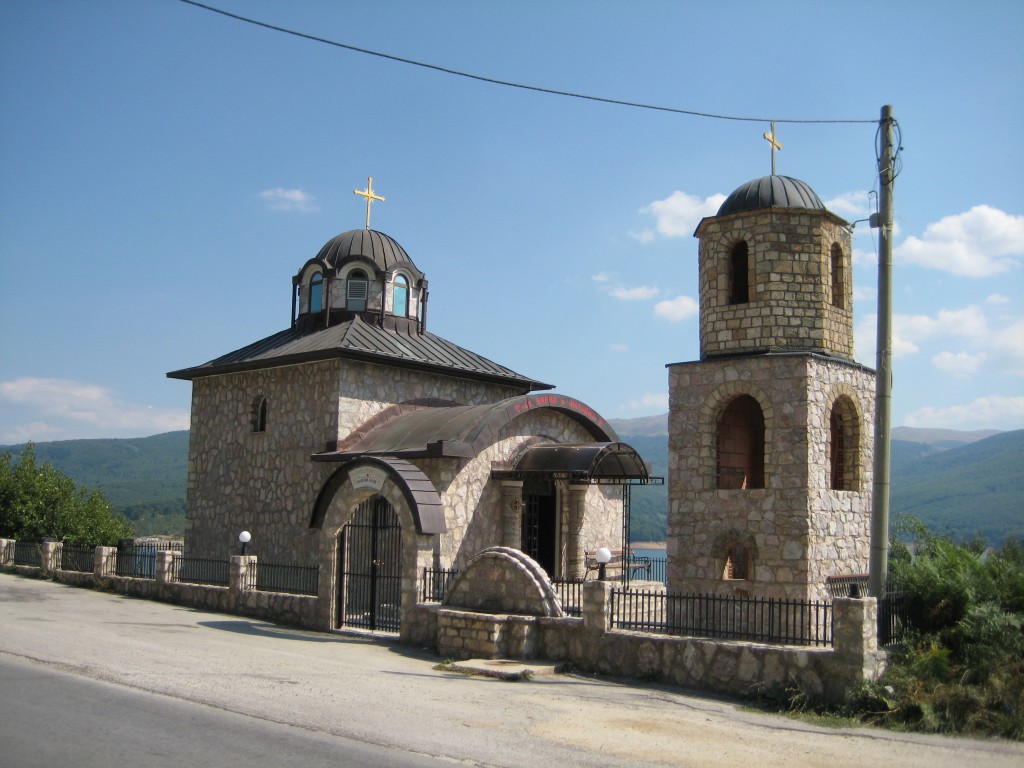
column 958, row 483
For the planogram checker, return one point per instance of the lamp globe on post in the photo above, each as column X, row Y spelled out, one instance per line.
column 603, row 557
column 244, row 537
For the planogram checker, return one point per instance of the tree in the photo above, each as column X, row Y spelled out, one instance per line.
column 38, row 501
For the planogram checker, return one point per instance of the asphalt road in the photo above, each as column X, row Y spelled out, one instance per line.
column 88, row 673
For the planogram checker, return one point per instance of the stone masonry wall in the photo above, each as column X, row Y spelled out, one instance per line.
column 797, row 530
column 790, row 284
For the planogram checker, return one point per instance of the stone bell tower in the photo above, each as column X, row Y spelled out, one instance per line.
column 770, row 432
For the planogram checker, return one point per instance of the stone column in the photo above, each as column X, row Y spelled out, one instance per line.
column 103, row 564
column 512, row 514
column 597, row 607
column 855, row 637
column 238, row 578
column 575, row 561
column 49, row 556
column 165, row 567
column 6, row 551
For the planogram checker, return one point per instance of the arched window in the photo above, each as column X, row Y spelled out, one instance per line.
column 740, row 441
column 316, row 293
column 735, row 555
column 737, row 563
column 259, row 414
column 356, row 290
column 400, row 296
column 843, row 448
column 739, row 278
column 838, row 277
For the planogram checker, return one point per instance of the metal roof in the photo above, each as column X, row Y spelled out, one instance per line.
column 590, row 461
column 370, row 245
column 461, row 431
column 358, row 340
column 771, row 192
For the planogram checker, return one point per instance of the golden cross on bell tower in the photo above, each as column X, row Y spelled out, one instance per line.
column 770, row 136
column 370, row 197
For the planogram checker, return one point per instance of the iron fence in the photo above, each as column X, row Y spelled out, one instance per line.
column 80, row 559
column 135, row 563
column 280, row 577
column 28, row 553
column 435, row 584
column 762, row 620
column 893, row 619
column 201, row 570
column 570, row 593
column 659, row 570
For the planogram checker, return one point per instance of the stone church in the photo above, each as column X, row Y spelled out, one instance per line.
column 770, row 432
column 358, row 440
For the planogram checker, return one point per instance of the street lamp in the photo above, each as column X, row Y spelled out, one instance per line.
column 244, row 537
column 603, row 557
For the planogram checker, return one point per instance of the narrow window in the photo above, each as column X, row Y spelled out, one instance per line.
column 357, row 289
column 316, row 293
column 838, row 277
column 843, row 449
column 259, row 414
column 400, row 296
column 740, row 440
column 739, row 281
column 736, row 563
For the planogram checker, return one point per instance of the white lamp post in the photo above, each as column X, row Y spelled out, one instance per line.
column 244, row 537
column 603, row 557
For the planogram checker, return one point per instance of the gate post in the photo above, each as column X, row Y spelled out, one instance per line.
column 512, row 514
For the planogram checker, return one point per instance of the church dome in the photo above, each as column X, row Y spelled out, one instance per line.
column 771, row 192
column 367, row 245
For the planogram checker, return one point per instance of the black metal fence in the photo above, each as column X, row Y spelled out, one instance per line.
column 80, row 559
column 201, row 570
column 893, row 619
column 435, row 583
column 570, row 592
column 28, row 553
column 785, row 622
column 659, row 570
column 279, row 577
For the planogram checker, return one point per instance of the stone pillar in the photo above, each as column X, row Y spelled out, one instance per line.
column 575, row 560
column 165, row 567
column 512, row 514
column 104, row 562
column 6, row 551
column 238, row 578
column 855, row 637
column 49, row 556
column 597, row 607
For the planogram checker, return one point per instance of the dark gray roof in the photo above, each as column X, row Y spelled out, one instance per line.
column 358, row 340
column 771, row 192
column 422, row 431
column 370, row 245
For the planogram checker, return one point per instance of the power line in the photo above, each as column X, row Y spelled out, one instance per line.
column 506, row 83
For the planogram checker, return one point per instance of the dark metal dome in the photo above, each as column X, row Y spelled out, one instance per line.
column 771, row 192
column 370, row 245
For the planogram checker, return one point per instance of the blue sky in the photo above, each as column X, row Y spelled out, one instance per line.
column 166, row 170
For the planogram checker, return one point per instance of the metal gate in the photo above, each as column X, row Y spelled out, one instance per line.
column 369, row 568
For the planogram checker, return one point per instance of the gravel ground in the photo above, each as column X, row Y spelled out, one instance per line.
column 388, row 694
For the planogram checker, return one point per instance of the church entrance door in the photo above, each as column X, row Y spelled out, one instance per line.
column 540, row 524
column 369, row 568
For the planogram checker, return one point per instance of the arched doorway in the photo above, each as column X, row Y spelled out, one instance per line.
column 370, row 568
column 540, row 524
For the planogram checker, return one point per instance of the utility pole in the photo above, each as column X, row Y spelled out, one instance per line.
column 879, row 563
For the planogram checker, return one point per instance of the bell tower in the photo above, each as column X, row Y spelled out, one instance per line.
column 770, row 438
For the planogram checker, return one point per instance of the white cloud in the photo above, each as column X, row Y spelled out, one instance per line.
column 982, row 413
column 279, row 199
column 957, row 363
column 981, row 242
column 641, row 292
column 59, row 409
column 678, row 215
column 647, row 401
column 677, row 309
column 603, row 277
column 909, row 330
column 618, row 348
column 997, row 298
column 851, row 205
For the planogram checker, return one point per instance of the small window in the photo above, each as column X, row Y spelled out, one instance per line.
column 740, row 444
column 400, row 296
column 843, row 449
column 838, row 277
column 357, row 289
column 739, row 279
column 737, row 563
column 316, row 293
column 259, row 415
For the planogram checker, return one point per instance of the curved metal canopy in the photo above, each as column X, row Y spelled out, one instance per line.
column 600, row 463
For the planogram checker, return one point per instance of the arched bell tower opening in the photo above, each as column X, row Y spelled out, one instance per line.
column 776, row 336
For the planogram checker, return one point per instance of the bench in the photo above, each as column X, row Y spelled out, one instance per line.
column 623, row 561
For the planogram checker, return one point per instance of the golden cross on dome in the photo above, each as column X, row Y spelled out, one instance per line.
column 770, row 136
column 370, row 197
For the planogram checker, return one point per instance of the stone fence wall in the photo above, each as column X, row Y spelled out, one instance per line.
column 236, row 598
